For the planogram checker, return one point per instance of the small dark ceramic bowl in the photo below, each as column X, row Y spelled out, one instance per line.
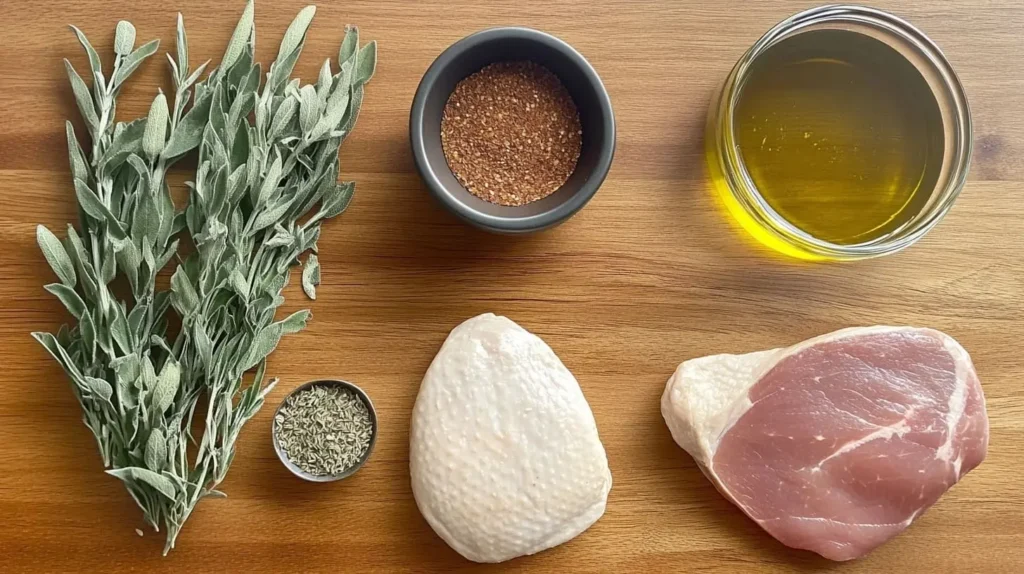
column 351, row 470
column 471, row 54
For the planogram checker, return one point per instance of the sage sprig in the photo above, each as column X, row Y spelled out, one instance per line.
column 266, row 180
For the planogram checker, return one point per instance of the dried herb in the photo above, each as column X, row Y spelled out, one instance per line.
column 260, row 193
column 325, row 430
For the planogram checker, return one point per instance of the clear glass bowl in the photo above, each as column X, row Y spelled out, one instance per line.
column 738, row 190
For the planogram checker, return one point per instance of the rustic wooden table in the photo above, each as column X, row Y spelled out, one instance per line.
column 649, row 274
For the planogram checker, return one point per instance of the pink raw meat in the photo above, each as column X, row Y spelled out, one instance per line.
column 836, row 444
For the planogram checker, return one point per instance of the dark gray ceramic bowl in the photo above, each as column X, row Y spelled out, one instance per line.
column 471, row 54
column 351, row 470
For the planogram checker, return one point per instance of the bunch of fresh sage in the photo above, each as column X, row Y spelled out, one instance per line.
column 266, row 180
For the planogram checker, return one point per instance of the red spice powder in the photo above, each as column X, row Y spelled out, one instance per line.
column 511, row 133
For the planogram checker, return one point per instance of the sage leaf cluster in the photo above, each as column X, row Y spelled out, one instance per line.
column 266, row 149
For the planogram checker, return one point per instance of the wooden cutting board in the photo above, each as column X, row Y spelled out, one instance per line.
column 648, row 275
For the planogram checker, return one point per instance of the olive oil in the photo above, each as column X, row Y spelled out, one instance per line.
column 841, row 135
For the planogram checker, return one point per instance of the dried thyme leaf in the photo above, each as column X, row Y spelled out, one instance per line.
column 324, row 430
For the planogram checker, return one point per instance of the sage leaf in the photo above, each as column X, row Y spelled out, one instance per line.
column 87, row 330
column 165, row 258
column 132, row 61
column 349, row 121
column 187, row 82
column 183, row 295
column 239, row 284
column 136, row 318
column 89, row 202
column 157, row 481
column 270, row 183
column 189, row 131
column 127, row 370
column 311, row 276
column 263, row 344
column 295, row 35
column 281, row 237
column 324, row 82
column 83, row 98
column 124, row 38
column 166, row 386
column 203, row 344
column 57, row 351
column 239, row 38
column 270, row 216
column 103, row 338
column 337, row 104
column 108, row 267
column 240, row 147
column 68, row 297
column 148, row 380
column 146, row 220
column 156, row 127
column 94, row 207
column 282, row 117
column 156, row 450
column 366, row 64
column 181, row 43
column 94, row 58
column 160, row 342
column 120, row 332
column 337, row 200
column 175, row 73
column 309, row 108
column 127, row 140
column 280, row 70
column 349, row 44
column 295, row 322
column 55, row 254
column 98, row 387
column 79, row 167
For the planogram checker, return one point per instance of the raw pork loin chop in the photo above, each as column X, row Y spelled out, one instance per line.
column 836, row 444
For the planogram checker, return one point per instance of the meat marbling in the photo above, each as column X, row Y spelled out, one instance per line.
column 838, row 443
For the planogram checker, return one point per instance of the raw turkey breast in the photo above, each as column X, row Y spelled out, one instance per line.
column 838, row 443
column 504, row 453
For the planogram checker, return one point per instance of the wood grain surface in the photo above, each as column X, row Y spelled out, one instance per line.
column 649, row 274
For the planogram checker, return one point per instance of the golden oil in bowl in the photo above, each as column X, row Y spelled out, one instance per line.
column 842, row 134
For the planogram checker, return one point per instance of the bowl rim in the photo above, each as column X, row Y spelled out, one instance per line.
column 511, row 223
column 291, row 466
